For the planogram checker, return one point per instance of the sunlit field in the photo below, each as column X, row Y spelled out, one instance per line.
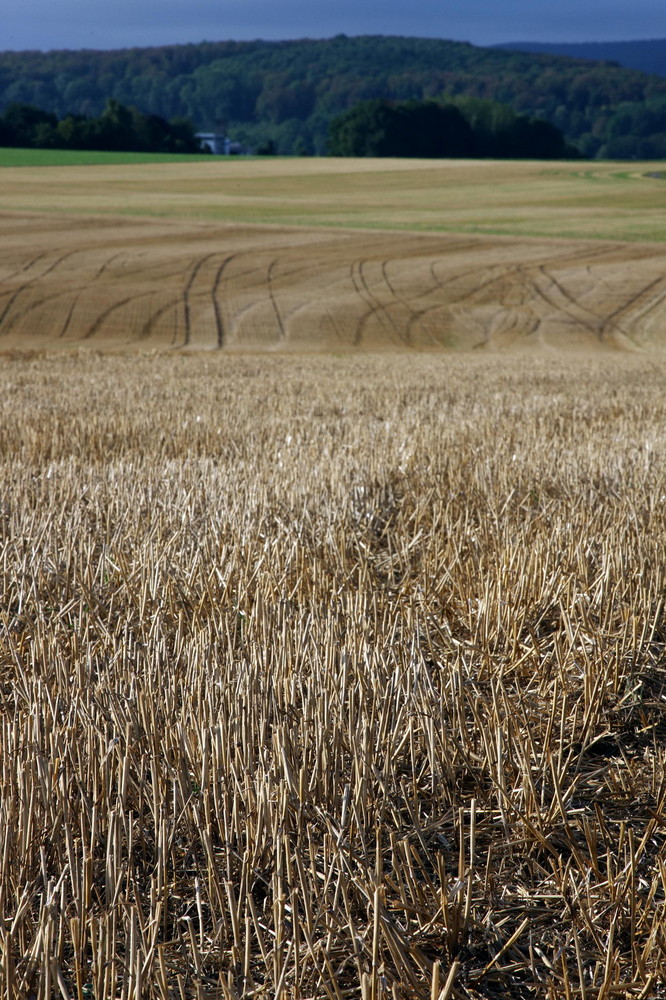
column 312, row 255
column 332, row 677
column 523, row 198
column 332, row 631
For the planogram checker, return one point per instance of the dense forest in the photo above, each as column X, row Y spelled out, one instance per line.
column 283, row 95
column 470, row 127
column 648, row 56
column 117, row 128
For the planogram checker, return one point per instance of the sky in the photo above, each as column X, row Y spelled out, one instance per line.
column 108, row 24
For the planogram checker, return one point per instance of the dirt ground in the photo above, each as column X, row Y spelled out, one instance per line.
column 114, row 282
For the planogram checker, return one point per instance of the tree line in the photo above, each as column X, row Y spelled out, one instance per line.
column 469, row 128
column 284, row 95
column 117, row 128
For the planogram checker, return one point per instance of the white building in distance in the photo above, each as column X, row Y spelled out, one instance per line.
column 219, row 145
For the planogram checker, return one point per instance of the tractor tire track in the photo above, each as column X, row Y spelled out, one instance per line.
column 271, row 295
column 504, row 272
column 25, row 267
column 262, row 293
column 106, row 265
column 455, row 302
column 361, row 291
column 414, row 316
column 590, row 325
column 376, row 308
column 68, row 319
column 567, row 296
column 95, row 327
column 77, row 291
column 611, row 321
column 317, row 304
column 17, row 316
column 382, row 309
column 149, row 325
column 217, row 282
column 263, row 283
column 187, row 291
column 210, row 286
column 439, row 284
column 418, row 315
column 28, row 284
column 283, row 316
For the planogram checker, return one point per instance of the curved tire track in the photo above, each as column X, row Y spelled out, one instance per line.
column 214, row 286
column 28, row 284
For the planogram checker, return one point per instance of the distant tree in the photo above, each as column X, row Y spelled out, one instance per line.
column 365, row 130
column 23, row 124
column 489, row 121
column 117, row 128
column 430, row 129
column 534, row 139
column 181, row 136
column 73, row 132
column 411, row 129
column 6, row 135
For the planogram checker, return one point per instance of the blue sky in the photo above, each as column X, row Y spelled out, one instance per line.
column 104, row 24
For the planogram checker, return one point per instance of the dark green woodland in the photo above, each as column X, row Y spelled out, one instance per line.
column 283, row 96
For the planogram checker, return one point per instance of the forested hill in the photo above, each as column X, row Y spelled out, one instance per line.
column 649, row 56
column 284, row 94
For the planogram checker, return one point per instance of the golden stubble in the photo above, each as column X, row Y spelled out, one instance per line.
column 331, row 676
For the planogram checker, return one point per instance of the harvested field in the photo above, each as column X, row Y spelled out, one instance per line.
column 157, row 284
column 332, row 677
column 325, row 255
column 509, row 198
column 333, row 642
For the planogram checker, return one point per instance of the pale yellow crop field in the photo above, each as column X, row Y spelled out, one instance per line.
column 599, row 200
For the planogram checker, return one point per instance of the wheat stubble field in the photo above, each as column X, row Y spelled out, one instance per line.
column 256, row 255
column 159, row 285
column 330, row 667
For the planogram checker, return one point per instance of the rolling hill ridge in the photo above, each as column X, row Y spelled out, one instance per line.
column 648, row 56
column 283, row 95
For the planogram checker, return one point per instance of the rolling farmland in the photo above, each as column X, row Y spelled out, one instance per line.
column 229, row 256
column 162, row 285
column 332, row 589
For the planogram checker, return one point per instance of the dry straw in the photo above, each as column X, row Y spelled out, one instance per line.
column 334, row 678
